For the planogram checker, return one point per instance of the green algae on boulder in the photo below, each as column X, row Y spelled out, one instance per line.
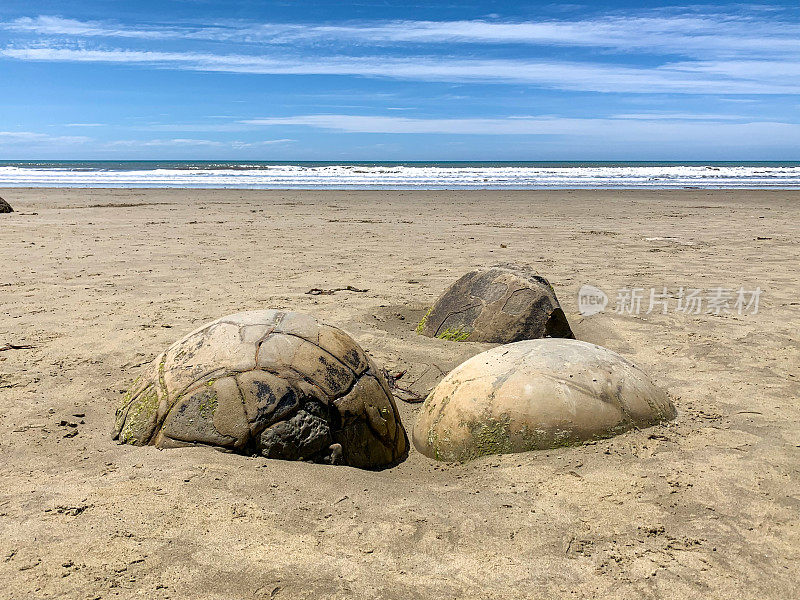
column 536, row 395
column 499, row 305
column 271, row 383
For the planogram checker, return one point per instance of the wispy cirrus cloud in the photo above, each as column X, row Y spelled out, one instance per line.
column 699, row 50
column 720, row 77
column 51, row 25
column 679, row 32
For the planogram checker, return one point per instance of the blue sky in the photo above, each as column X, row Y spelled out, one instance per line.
column 324, row 80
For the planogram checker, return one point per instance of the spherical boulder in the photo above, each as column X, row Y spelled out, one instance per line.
column 498, row 305
column 271, row 383
column 5, row 207
column 535, row 395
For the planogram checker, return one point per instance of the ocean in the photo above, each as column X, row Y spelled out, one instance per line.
column 400, row 175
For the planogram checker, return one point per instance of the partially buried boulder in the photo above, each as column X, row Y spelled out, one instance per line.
column 535, row 395
column 497, row 305
column 271, row 383
column 5, row 207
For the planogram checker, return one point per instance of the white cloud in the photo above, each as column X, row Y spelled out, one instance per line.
column 194, row 143
column 48, row 25
column 261, row 143
column 681, row 117
column 171, row 142
column 720, row 77
column 35, row 138
column 770, row 70
column 681, row 34
column 611, row 128
column 681, row 31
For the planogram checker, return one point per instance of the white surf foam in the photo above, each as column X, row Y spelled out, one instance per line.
column 410, row 176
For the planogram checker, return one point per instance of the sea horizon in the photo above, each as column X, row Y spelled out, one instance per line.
column 432, row 175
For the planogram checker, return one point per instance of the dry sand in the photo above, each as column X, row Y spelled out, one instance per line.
column 100, row 281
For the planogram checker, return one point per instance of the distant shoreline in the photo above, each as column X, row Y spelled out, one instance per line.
column 416, row 163
column 406, row 189
column 398, row 176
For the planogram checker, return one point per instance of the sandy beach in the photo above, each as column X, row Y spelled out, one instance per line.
column 98, row 282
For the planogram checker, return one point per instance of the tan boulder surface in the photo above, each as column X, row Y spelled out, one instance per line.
column 271, row 383
column 499, row 305
column 535, row 395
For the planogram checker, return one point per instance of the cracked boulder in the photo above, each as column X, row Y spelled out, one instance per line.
column 270, row 383
column 498, row 305
column 5, row 207
column 536, row 395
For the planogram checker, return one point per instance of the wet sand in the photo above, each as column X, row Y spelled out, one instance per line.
column 99, row 282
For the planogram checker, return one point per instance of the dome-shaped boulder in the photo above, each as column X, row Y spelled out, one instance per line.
column 535, row 395
column 497, row 305
column 271, row 383
column 5, row 207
